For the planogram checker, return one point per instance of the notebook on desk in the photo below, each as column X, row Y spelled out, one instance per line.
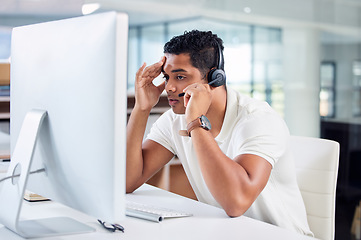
column 33, row 197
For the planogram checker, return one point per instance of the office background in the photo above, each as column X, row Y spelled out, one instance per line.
column 301, row 56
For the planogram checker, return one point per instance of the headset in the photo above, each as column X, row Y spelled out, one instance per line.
column 216, row 76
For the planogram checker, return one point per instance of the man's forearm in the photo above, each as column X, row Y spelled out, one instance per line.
column 233, row 184
column 135, row 133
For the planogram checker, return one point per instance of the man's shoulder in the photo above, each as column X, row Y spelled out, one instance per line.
column 243, row 107
column 245, row 102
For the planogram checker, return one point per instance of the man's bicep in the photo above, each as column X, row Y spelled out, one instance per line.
column 155, row 156
column 257, row 168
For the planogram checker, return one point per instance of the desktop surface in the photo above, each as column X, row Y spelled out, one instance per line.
column 207, row 222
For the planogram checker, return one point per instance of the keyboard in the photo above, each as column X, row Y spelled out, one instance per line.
column 152, row 213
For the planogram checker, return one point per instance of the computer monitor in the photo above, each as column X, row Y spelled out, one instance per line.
column 68, row 116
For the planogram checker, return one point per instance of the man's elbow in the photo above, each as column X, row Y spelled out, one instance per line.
column 236, row 209
column 234, row 212
column 129, row 188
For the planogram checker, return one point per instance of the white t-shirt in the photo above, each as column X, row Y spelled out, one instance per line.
column 253, row 127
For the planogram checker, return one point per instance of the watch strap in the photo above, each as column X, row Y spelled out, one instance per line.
column 192, row 125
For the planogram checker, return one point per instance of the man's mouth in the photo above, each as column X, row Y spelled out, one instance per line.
column 172, row 101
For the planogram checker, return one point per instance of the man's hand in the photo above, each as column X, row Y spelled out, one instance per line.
column 197, row 100
column 146, row 93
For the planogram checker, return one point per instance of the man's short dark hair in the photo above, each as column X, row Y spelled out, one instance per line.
column 201, row 47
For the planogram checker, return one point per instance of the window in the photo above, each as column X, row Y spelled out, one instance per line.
column 327, row 89
column 253, row 54
column 5, row 41
column 356, row 98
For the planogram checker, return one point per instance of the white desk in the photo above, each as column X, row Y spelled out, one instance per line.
column 208, row 222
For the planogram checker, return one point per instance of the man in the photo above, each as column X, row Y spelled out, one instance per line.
column 232, row 147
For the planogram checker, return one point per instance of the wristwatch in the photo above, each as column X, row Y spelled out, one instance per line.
column 201, row 121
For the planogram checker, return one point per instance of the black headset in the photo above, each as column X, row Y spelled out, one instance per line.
column 217, row 77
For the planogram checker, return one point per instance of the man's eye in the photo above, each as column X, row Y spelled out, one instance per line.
column 180, row 77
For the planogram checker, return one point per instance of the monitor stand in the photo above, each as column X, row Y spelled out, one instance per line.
column 12, row 194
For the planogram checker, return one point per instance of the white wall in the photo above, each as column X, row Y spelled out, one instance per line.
column 301, row 80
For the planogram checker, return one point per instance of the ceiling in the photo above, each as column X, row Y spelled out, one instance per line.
column 332, row 16
column 141, row 11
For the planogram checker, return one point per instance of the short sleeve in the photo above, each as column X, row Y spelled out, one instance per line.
column 263, row 133
column 161, row 132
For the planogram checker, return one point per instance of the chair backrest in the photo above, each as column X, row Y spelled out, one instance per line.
column 316, row 162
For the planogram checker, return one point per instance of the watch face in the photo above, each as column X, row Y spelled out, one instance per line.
column 205, row 122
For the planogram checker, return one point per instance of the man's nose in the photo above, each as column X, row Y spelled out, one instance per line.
column 170, row 86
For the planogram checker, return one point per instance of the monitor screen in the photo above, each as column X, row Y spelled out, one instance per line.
column 74, row 72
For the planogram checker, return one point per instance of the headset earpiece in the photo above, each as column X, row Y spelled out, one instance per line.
column 217, row 77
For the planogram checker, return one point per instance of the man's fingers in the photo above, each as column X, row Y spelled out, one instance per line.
column 161, row 86
column 155, row 69
column 140, row 70
column 147, row 74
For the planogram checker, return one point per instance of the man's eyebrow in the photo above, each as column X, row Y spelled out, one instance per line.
column 178, row 70
column 175, row 70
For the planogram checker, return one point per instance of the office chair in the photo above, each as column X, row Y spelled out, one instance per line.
column 316, row 162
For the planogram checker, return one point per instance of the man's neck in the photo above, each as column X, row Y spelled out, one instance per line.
column 217, row 110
